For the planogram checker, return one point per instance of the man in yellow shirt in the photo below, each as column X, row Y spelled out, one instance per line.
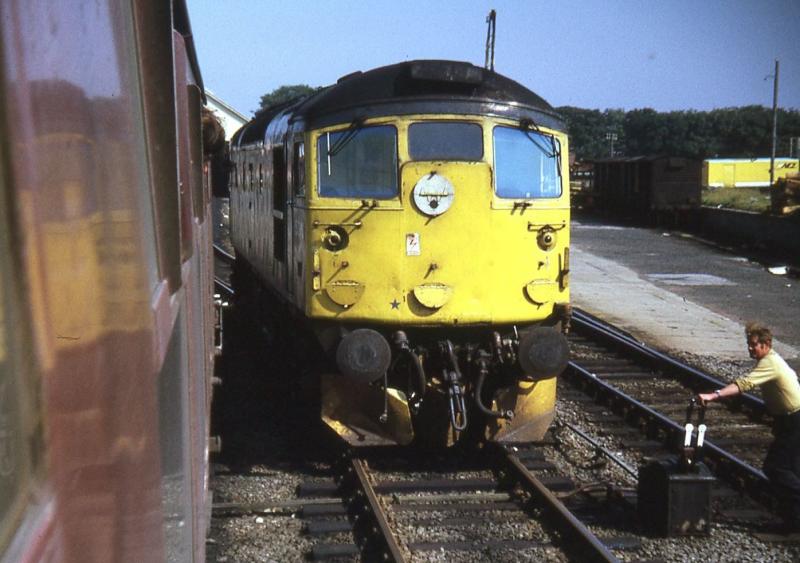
column 781, row 392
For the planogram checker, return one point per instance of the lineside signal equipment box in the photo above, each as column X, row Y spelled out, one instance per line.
column 674, row 501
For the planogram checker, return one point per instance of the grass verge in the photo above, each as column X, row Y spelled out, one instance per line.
column 745, row 199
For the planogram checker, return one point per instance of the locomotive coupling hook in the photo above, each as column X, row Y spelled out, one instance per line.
column 458, row 408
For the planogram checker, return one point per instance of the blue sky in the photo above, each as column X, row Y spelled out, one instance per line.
column 663, row 54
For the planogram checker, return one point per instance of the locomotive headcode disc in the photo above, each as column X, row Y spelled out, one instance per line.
column 433, row 194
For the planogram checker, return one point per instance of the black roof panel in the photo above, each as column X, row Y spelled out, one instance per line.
column 423, row 86
column 421, row 79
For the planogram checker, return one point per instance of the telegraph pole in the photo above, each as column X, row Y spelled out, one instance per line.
column 611, row 137
column 774, row 126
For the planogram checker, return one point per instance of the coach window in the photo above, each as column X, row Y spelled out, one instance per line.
column 260, row 177
column 440, row 140
column 526, row 164
column 299, row 169
column 359, row 162
column 196, row 179
column 250, row 178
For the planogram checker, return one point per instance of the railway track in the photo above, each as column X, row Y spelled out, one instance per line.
column 395, row 506
column 502, row 503
column 398, row 515
column 642, row 395
column 223, row 263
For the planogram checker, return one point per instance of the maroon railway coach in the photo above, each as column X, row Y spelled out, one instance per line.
column 106, row 316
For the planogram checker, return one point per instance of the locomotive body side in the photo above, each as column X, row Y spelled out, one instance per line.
column 265, row 229
column 437, row 223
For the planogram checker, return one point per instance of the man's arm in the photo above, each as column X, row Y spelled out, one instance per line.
column 730, row 390
column 762, row 372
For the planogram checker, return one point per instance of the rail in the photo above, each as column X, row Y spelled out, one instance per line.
column 389, row 547
column 591, row 548
column 696, row 379
column 220, row 284
column 598, row 448
column 226, row 256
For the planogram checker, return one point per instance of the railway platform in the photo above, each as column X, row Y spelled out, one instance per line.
column 678, row 292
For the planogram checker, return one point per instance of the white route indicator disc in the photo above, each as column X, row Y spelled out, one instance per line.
column 433, row 194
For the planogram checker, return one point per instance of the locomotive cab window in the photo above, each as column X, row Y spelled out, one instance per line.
column 358, row 163
column 526, row 164
column 299, row 169
column 279, row 187
column 439, row 140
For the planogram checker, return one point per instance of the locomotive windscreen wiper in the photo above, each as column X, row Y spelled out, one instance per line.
column 552, row 153
column 355, row 126
column 528, row 125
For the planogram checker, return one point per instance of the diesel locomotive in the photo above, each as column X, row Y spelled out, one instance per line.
column 416, row 216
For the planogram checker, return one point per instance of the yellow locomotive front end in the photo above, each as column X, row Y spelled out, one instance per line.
column 437, row 243
column 407, row 231
column 417, row 217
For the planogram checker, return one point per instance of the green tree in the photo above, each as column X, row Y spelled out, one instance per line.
column 285, row 93
column 587, row 129
column 642, row 131
column 727, row 132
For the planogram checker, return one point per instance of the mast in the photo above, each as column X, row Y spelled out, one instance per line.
column 490, row 19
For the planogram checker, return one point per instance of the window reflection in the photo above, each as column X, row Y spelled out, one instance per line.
column 19, row 412
column 526, row 164
column 446, row 141
column 358, row 163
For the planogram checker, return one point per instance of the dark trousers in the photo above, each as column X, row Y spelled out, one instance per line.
column 782, row 467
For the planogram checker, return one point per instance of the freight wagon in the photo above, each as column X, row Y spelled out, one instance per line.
column 745, row 172
column 645, row 186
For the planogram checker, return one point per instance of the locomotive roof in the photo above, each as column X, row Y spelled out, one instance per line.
column 413, row 87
